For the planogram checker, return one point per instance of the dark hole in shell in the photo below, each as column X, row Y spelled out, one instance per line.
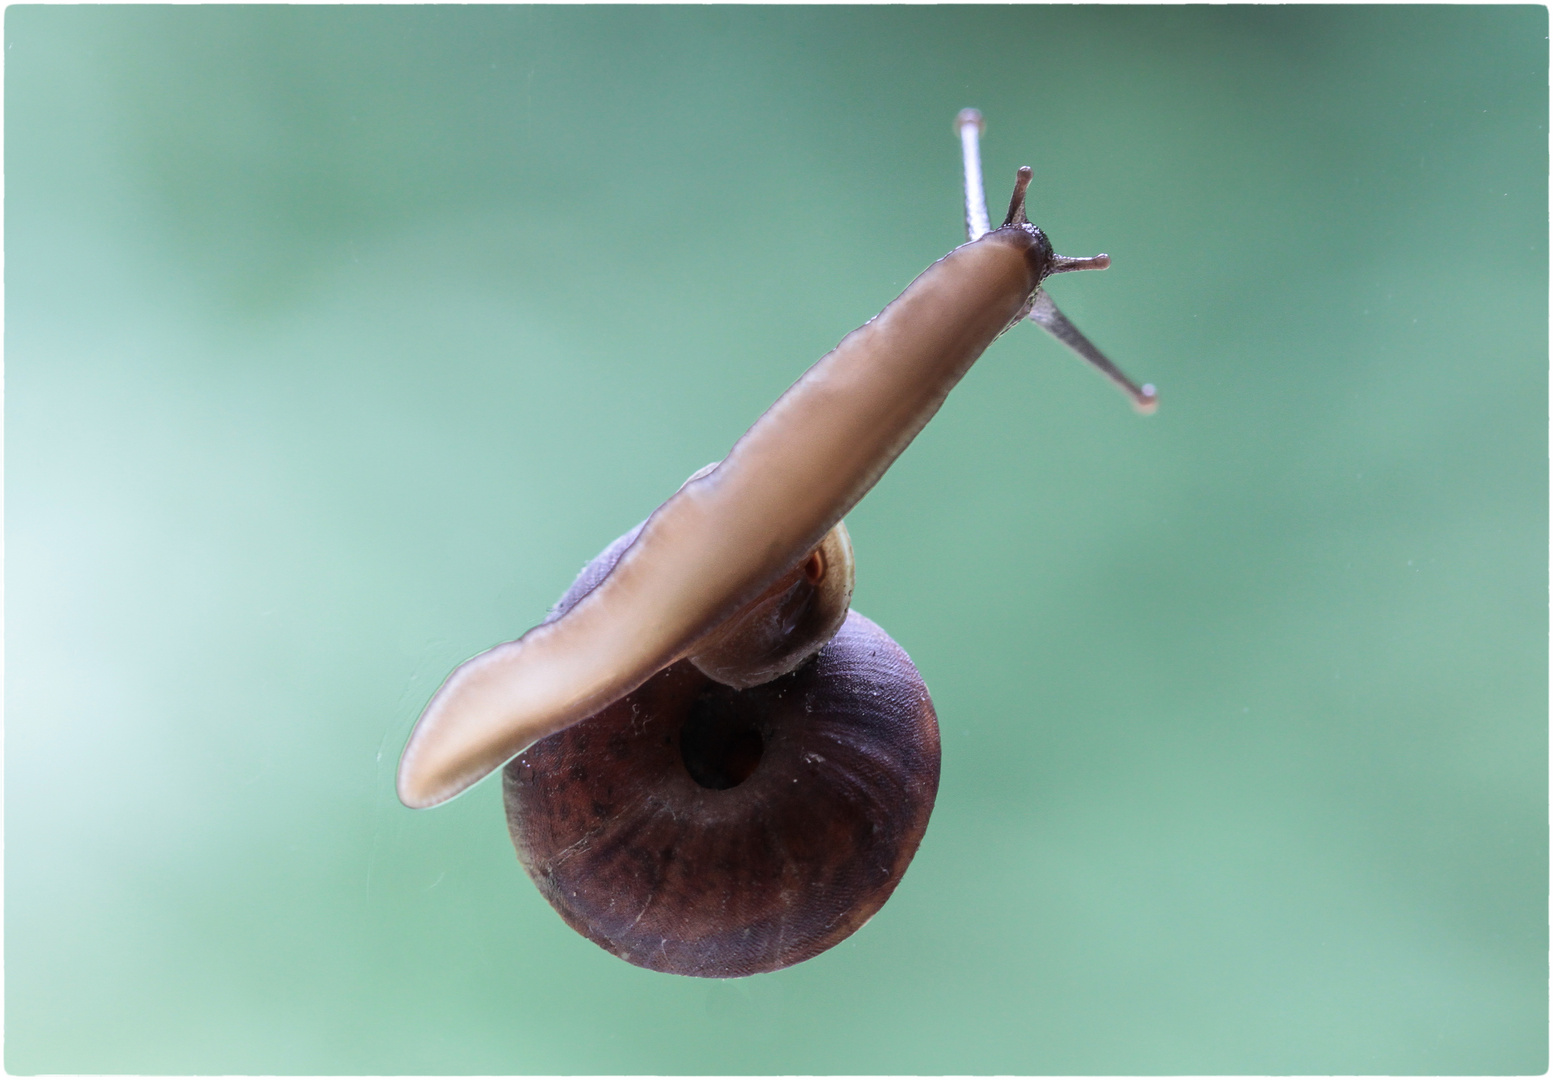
column 719, row 743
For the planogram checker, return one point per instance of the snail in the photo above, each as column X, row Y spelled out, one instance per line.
column 713, row 766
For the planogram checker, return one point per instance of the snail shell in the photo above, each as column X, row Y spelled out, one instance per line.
column 701, row 829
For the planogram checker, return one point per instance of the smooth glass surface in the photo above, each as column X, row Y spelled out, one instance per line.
column 338, row 339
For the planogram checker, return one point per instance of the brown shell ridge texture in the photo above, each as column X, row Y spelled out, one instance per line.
column 711, row 765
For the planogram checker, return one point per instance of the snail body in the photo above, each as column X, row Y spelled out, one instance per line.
column 714, row 641
column 729, row 532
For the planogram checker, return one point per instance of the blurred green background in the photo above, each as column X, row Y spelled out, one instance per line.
column 337, row 339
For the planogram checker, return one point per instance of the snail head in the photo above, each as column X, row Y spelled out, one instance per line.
column 1044, row 313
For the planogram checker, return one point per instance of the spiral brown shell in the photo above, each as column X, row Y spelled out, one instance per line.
column 701, row 830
